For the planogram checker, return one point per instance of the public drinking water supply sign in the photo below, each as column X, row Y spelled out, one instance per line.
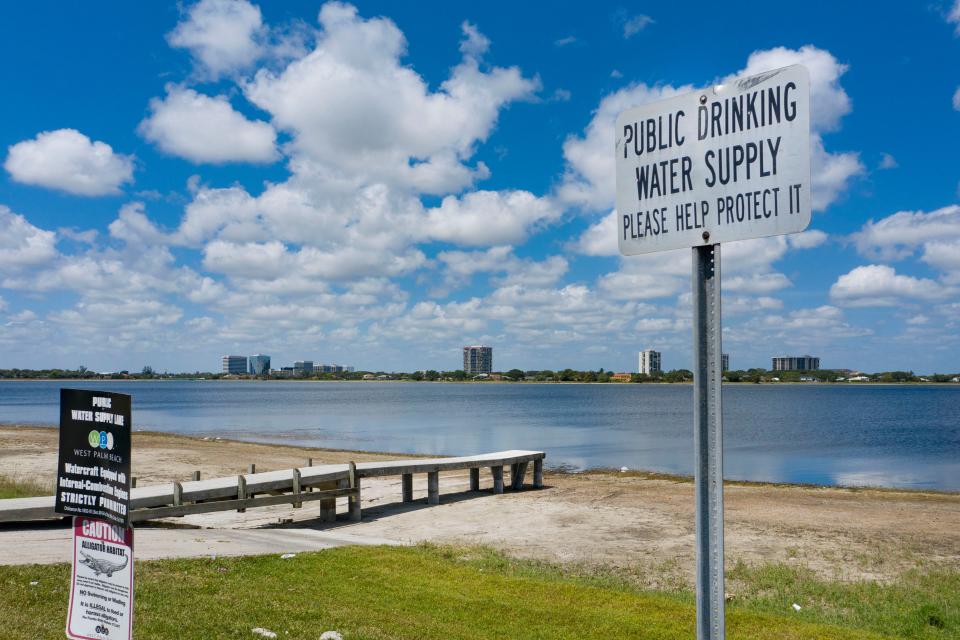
column 729, row 162
column 93, row 467
column 101, row 585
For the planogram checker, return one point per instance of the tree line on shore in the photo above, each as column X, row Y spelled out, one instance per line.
column 513, row 375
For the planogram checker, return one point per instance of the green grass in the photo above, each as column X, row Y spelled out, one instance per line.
column 921, row 604
column 443, row 593
column 19, row 488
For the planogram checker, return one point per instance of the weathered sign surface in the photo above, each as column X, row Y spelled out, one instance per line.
column 729, row 162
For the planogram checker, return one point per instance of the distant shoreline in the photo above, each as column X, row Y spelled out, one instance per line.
column 491, row 382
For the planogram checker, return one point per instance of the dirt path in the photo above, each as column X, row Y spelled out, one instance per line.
column 626, row 521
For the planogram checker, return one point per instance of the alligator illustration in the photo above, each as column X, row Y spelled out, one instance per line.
column 102, row 566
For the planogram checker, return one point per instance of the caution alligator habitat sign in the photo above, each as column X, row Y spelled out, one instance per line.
column 101, row 587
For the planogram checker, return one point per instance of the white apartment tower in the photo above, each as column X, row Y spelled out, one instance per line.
column 477, row 359
column 649, row 361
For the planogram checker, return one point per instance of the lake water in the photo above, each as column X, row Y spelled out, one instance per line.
column 895, row 436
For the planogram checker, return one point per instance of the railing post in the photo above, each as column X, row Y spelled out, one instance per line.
column 328, row 506
column 497, row 478
column 241, row 491
column 297, row 502
column 475, row 479
column 354, row 499
column 519, row 470
column 433, row 487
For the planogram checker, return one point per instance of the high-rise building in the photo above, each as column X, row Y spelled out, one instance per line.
column 725, row 362
column 303, row 367
column 796, row 363
column 235, row 364
column 649, row 362
column 259, row 365
column 477, row 359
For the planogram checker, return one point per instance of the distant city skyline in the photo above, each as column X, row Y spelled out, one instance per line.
column 457, row 189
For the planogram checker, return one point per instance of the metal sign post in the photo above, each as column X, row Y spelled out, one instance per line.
column 727, row 163
column 708, row 441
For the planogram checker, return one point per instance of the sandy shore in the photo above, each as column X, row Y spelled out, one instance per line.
column 629, row 521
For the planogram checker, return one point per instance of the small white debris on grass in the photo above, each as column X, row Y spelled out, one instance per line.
column 288, row 555
column 796, row 607
column 624, row 469
column 265, row 633
column 330, row 635
column 34, row 583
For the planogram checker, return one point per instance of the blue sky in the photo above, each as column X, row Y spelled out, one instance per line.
column 377, row 184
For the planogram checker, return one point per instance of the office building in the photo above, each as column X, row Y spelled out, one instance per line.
column 796, row 363
column 725, row 362
column 303, row 367
column 649, row 362
column 477, row 359
column 331, row 368
column 235, row 364
column 259, row 365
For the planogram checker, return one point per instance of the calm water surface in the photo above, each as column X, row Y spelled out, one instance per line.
column 897, row 436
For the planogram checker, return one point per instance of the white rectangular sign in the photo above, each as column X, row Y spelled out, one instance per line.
column 101, row 587
column 729, row 162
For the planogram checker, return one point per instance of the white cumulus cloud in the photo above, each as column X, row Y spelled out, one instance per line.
column 901, row 234
column 222, row 35
column 135, row 228
column 878, row 285
column 489, row 217
column 600, row 238
column 358, row 113
column 69, row 161
column 21, row 243
column 807, row 239
column 201, row 128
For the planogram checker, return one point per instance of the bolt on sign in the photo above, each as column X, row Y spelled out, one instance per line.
column 726, row 163
column 93, row 467
column 101, row 584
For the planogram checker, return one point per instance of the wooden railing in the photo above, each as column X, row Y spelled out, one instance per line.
column 295, row 486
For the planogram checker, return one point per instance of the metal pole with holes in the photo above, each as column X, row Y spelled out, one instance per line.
column 708, row 441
